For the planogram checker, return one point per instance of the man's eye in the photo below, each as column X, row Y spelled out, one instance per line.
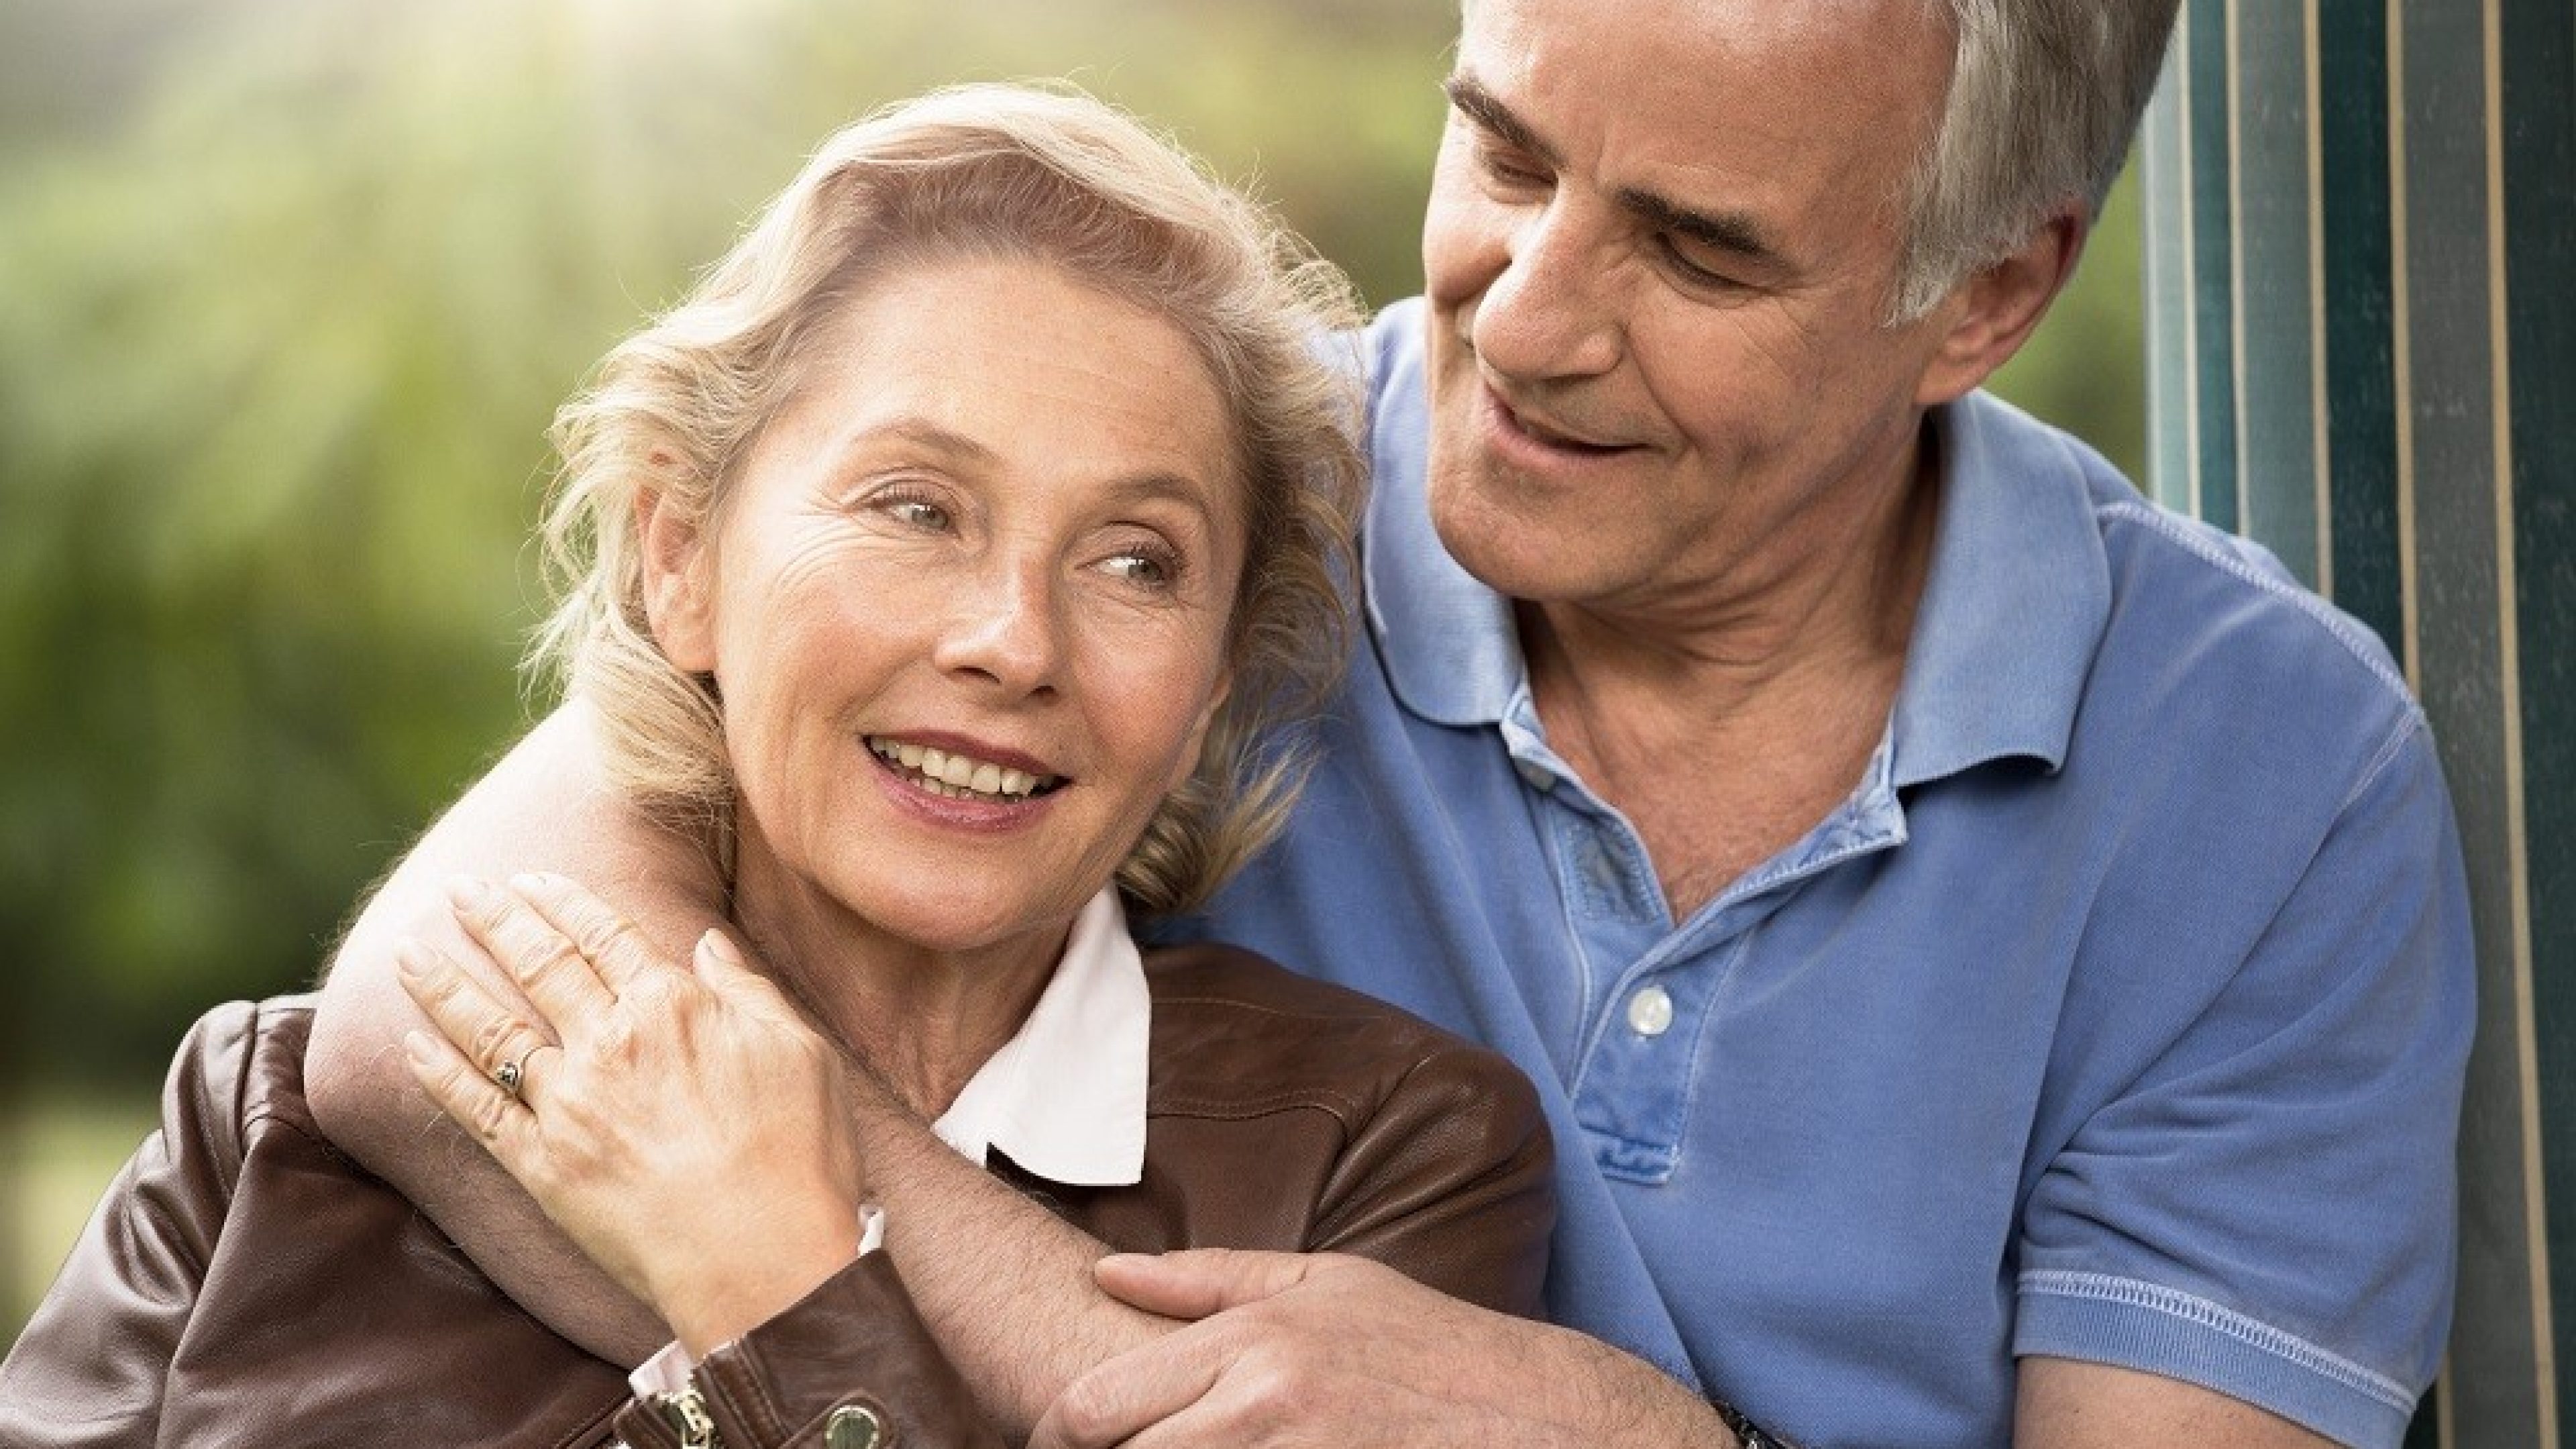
column 1509, row 168
column 1677, row 253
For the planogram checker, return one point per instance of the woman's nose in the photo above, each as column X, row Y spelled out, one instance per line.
column 1003, row 628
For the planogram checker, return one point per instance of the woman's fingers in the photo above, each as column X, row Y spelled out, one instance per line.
column 615, row 949
column 560, row 981
column 458, row 1067
column 492, row 1040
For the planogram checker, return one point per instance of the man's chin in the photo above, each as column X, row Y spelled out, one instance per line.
column 1518, row 552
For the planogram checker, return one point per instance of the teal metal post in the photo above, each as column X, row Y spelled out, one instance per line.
column 2361, row 276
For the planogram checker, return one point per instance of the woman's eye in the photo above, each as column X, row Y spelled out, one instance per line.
column 920, row 513
column 1144, row 568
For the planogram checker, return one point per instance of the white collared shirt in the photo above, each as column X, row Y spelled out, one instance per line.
column 1064, row 1098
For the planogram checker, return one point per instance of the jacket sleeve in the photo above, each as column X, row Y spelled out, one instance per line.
column 90, row 1369
column 852, row 1353
column 1449, row 1182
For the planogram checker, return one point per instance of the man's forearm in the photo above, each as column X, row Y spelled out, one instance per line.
column 1003, row 1283
column 545, row 806
column 1005, row 1286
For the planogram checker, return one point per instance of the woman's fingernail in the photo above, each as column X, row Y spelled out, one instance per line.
column 467, row 893
column 716, row 945
column 411, row 958
column 528, row 883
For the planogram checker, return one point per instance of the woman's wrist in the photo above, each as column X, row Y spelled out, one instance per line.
column 718, row 1298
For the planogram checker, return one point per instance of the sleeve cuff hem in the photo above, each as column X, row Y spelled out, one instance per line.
column 2099, row 1318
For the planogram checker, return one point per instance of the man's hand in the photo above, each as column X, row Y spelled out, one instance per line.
column 1325, row 1350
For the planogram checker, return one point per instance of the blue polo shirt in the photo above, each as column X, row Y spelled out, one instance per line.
column 2119, row 1014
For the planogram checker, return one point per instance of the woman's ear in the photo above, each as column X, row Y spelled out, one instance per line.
column 1197, row 747
column 677, row 600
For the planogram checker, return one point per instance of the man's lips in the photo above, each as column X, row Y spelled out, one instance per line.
column 1532, row 429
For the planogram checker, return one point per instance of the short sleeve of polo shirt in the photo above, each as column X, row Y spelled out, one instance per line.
column 2269, row 1209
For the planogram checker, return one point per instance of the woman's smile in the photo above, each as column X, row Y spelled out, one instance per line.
column 961, row 772
column 1000, row 566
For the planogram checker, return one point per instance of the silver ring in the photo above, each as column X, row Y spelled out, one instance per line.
column 509, row 1076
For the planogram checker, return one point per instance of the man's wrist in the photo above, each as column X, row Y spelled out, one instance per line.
column 1747, row 1433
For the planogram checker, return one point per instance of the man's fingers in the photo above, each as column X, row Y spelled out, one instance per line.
column 480, row 1029
column 561, row 982
column 1131, row 1393
column 611, row 943
column 1200, row 1281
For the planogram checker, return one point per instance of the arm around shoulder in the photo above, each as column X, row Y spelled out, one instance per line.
column 547, row 805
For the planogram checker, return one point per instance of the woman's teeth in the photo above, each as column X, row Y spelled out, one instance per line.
column 960, row 776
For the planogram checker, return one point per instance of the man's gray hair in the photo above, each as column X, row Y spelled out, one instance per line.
column 2044, row 97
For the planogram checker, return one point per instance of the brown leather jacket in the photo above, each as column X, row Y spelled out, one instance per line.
column 246, row 1284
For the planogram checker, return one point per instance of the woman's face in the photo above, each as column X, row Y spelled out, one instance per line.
column 967, row 602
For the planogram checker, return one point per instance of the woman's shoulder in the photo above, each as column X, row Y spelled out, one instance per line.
column 1233, row 1030
column 1286, row 1112
column 240, row 1068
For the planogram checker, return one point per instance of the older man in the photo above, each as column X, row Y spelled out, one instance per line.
column 1995, row 954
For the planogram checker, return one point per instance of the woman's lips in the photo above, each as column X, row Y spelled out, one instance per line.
column 956, row 774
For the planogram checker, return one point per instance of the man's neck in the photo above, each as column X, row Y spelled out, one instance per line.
column 1725, row 730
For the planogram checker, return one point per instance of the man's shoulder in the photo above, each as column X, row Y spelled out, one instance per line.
column 2197, row 612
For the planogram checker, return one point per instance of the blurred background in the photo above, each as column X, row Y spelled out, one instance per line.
column 288, row 290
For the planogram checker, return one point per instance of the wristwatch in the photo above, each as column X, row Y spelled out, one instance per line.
column 1748, row 1433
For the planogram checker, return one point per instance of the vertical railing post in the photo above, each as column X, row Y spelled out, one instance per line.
column 2362, row 313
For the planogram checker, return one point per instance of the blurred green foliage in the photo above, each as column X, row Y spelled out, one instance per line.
column 288, row 290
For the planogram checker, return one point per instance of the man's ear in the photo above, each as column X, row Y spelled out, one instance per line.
column 1987, row 317
column 676, row 564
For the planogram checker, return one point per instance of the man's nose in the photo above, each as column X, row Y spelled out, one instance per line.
column 1552, row 312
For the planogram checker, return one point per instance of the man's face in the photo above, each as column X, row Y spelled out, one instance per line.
column 1662, row 240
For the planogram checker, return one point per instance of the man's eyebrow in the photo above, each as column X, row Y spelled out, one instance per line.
column 1487, row 110
column 1730, row 232
column 1733, row 233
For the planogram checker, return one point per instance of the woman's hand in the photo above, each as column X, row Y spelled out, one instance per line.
column 688, row 1129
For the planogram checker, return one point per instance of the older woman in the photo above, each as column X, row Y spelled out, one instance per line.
column 942, row 564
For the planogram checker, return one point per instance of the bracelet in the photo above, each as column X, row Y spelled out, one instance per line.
column 1750, row 1434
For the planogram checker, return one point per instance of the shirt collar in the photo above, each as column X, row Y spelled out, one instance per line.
column 2015, row 603
column 1451, row 651
column 1065, row 1097
column 2013, row 607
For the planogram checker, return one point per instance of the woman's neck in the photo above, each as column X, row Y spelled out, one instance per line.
column 919, row 1019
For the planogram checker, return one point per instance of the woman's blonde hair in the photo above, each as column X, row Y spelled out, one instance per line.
column 983, row 172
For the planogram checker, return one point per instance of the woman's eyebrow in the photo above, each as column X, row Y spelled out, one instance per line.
column 922, row 433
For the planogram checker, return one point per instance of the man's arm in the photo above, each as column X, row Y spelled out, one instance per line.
column 1302, row 1350
column 1004, row 1285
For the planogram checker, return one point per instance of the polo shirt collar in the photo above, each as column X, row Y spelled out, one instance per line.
column 1452, row 652
column 1065, row 1097
column 2013, row 607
